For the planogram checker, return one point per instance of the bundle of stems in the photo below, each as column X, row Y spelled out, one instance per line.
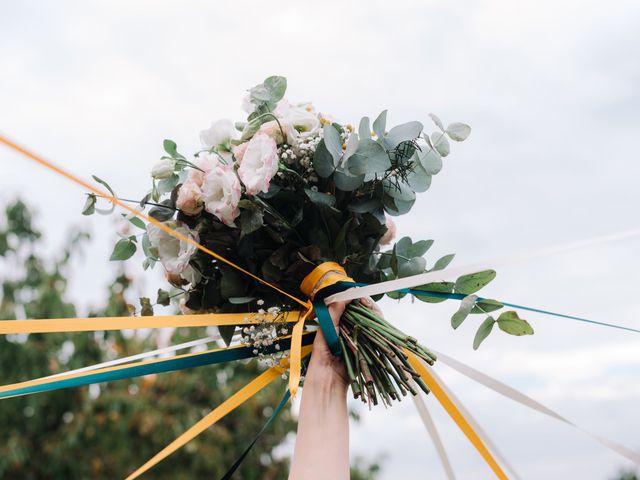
column 373, row 352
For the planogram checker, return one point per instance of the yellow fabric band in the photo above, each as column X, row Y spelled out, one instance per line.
column 455, row 414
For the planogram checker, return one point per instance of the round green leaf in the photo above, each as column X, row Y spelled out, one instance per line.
column 510, row 323
column 458, row 131
column 123, row 250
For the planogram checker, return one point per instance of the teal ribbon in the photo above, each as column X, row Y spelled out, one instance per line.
column 324, row 318
column 276, row 411
column 168, row 365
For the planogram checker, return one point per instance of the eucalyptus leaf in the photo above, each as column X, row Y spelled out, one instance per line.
column 440, row 143
column 399, row 191
column 323, row 161
column 364, row 205
column 402, row 133
column 138, row 223
column 414, row 266
column 163, row 213
column 170, row 147
column 512, row 324
column 466, row 304
column 431, row 161
column 347, row 182
column 364, row 130
column 168, row 184
column 419, row 248
column 437, row 121
column 483, row 332
column 380, row 123
column 369, row 158
column 351, row 147
column 458, row 131
column 277, row 86
column 240, row 300
column 320, row 198
column 123, row 250
column 473, row 282
column 443, row 262
column 251, row 219
column 418, row 179
column 402, row 246
column 333, row 143
column 395, row 206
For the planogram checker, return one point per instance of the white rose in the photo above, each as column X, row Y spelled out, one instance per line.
column 174, row 254
column 221, row 193
column 259, row 164
column 300, row 120
column 219, row 135
column 163, row 169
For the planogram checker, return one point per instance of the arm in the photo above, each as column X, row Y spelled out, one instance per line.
column 322, row 443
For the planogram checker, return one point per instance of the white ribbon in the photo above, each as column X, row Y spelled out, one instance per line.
column 527, row 401
column 429, row 424
column 478, row 429
column 449, row 274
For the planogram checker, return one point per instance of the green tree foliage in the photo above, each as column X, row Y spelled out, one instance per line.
column 109, row 431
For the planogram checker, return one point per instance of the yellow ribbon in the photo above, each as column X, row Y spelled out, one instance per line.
column 237, row 399
column 121, row 323
column 455, row 414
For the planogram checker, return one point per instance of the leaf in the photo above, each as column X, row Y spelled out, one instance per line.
column 414, row 266
column 437, row 121
column 418, row 179
column 323, row 161
column 226, row 332
column 431, row 161
column 443, row 262
column 475, row 281
column 483, row 332
column 510, row 323
column 240, row 300
column 396, row 207
column 486, row 306
column 251, row 219
column 346, row 182
column 320, row 198
column 339, row 244
column 458, row 131
column 364, row 130
column 90, row 205
column 464, row 310
column 149, row 250
column 232, row 284
column 419, row 248
column 439, row 287
column 163, row 298
column 138, row 223
column 277, row 86
column 364, row 205
column 123, row 250
column 333, row 143
column 402, row 133
column 380, row 123
column 162, row 213
column 167, row 184
column 440, row 143
column 104, row 184
column 171, row 148
column 398, row 191
column 351, row 147
column 147, row 308
column 370, row 157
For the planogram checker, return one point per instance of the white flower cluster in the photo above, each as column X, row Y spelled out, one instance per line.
column 263, row 335
column 301, row 156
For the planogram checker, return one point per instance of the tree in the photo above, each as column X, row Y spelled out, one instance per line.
column 107, row 431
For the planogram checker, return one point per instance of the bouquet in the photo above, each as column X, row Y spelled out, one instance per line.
column 295, row 197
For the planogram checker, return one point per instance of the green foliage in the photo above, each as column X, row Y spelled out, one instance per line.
column 123, row 249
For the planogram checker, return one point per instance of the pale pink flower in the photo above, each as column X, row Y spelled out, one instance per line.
column 189, row 199
column 221, row 193
column 390, row 234
column 219, row 135
column 259, row 164
column 238, row 150
column 272, row 129
column 206, row 162
column 174, row 254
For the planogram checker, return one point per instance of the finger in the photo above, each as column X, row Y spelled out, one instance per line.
column 336, row 310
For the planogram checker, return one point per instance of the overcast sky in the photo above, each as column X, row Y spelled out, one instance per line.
column 551, row 90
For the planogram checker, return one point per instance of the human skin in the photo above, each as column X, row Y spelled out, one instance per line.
column 322, row 443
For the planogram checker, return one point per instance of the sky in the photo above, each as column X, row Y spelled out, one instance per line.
column 551, row 90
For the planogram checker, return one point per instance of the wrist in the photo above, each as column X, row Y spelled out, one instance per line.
column 326, row 374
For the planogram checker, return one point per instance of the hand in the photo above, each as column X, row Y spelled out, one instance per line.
column 324, row 365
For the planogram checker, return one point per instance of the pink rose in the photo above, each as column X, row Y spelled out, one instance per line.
column 238, row 151
column 390, row 234
column 259, row 164
column 221, row 193
column 189, row 199
column 206, row 162
column 272, row 129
